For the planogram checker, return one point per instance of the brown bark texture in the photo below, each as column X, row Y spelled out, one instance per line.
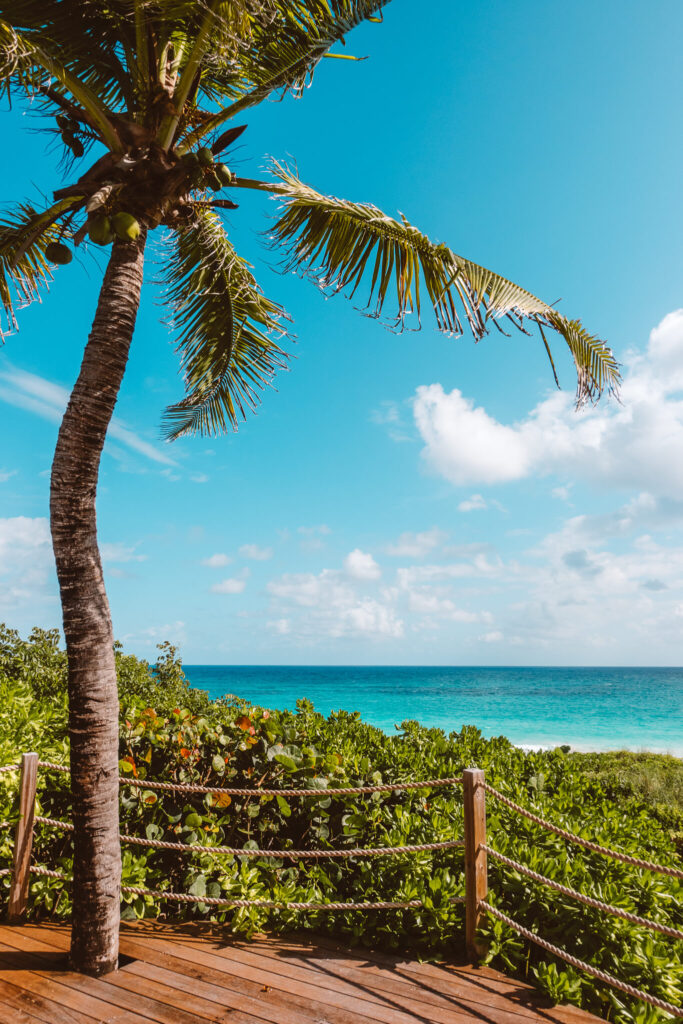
column 93, row 696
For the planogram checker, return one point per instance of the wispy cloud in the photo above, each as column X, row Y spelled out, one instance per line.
column 417, row 545
column 255, row 552
column 234, row 585
column 634, row 445
column 48, row 400
column 217, row 561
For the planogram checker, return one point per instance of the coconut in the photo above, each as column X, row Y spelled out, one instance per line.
column 224, row 173
column 126, row 226
column 99, row 230
column 205, row 156
column 56, row 252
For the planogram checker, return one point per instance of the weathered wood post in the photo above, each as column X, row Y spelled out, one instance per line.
column 476, row 882
column 23, row 840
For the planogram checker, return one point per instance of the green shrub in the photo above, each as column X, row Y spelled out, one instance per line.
column 229, row 743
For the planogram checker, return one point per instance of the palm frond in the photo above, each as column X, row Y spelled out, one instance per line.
column 24, row 270
column 340, row 245
column 282, row 54
column 86, row 36
column 32, row 66
column 225, row 327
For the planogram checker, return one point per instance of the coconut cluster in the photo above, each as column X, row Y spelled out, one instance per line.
column 150, row 191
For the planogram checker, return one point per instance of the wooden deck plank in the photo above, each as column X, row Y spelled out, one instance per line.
column 446, row 992
column 425, row 1002
column 55, row 984
column 197, row 974
column 442, row 995
column 273, row 1006
column 470, row 983
column 148, row 1000
column 44, row 1008
column 305, row 984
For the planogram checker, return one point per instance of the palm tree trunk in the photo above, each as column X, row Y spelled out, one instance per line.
column 93, row 697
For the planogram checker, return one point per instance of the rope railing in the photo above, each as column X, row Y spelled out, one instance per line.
column 216, row 901
column 475, row 846
column 586, row 843
column 589, row 901
column 239, row 851
column 608, row 979
column 319, row 792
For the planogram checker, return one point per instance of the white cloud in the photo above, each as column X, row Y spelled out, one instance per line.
column 426, row 602
column 47, row 400
column 494, row 637
column 256, row 553
column 234, row 585
column 199, row 478
column 217, row 561
column 280, row 626
column 6, row 474
column 361, row 565
column 332, row 607
column 562, row 492
column 635, row 445
column 309, row 531
column 472, row 504
column 417, row 545
column 26, row 562
column 313, row 537
column 172, row 631
column 120, row 553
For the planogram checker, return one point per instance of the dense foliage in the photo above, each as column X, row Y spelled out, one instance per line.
column 171, row 732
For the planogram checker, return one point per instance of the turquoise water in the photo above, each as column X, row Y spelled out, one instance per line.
column 589, row 708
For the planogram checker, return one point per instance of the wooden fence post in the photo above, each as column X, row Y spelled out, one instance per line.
column 23, row 840
column 476, row 882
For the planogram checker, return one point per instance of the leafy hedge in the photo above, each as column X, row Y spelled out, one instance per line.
column 170, row 732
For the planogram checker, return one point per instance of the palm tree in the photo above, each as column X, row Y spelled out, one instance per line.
column 153, row 87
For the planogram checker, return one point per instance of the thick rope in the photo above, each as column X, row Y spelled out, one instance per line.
column 63, row 825
column 346, row 791
column 595, row 847
column 215, row 901
column 48, row 873
column 54, row 767
column 9, row 768
column 589, row 901
column 608, row 979
column 238, row 851
column 317, row 793
column 334, row 791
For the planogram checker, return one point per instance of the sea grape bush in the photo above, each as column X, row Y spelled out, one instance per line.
column 172, row 733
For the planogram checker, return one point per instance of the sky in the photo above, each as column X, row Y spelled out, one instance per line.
column 414, row 498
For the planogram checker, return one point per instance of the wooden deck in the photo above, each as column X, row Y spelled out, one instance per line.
column 186, row 974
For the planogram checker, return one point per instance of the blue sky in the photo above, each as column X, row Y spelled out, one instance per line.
column 407, row 499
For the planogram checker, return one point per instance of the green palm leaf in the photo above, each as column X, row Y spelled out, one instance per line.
column 340, row 245
column 225, row 328
column 282, row 55
column 24, row 269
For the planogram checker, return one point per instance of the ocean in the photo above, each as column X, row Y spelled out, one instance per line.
column 588, row 708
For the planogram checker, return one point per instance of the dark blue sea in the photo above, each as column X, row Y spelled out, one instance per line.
column 589, row 708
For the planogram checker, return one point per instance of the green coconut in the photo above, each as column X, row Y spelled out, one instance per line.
column 126, row 227
column 56, row 252
column 214, row 182
column 224, row 173
column 99, row 230
column 205, row 156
